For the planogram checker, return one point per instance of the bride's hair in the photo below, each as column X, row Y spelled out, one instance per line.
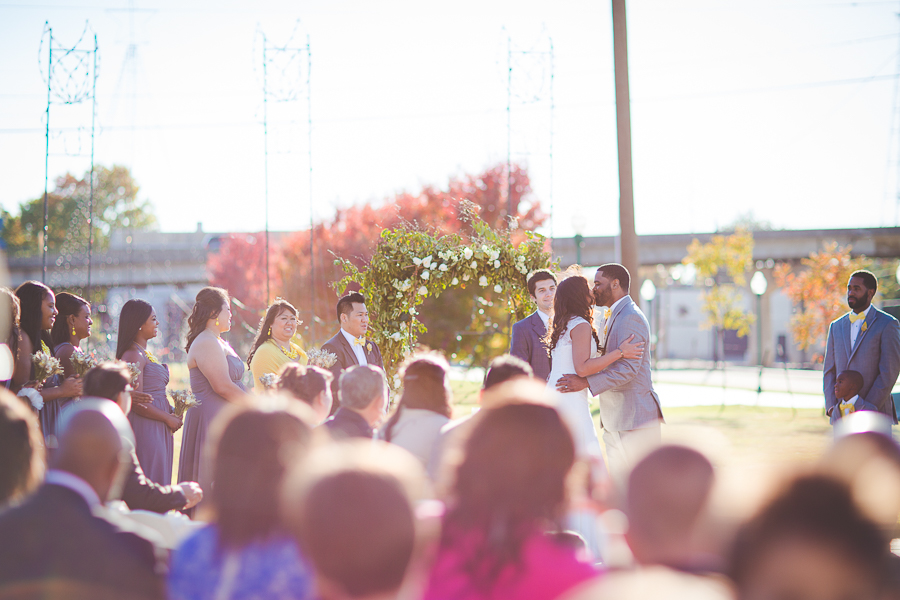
column 571, row 300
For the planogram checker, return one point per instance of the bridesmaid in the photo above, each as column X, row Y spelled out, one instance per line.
column 273, row 348
column 153, row 422
column 215, row 372
column 73, row 324
column 9, row 305
column 38, row 313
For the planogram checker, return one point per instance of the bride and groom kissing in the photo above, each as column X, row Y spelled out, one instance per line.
column 611, row 362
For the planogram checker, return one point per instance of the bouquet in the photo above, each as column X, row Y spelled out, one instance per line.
column 182, row 400
column 83, row 362
column 45, row 366
column 321, row 358
column 135, row 371
column 269, row 380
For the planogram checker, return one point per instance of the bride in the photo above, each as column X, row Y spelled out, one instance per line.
column 572, row 343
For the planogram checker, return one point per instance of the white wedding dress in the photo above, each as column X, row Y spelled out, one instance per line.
column 575, row 409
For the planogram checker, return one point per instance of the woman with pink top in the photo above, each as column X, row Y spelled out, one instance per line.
column 498, row 536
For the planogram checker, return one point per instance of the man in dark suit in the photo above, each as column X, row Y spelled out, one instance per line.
column 364, row 394
column 527, row 341
column 866, row 340
column 349, row 344
column 53, row 546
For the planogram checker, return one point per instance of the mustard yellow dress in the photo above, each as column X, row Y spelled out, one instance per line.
column 269, row 358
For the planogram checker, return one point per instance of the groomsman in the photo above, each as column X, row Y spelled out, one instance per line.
column 866, row 340
column 349, row 344
column 528, row 334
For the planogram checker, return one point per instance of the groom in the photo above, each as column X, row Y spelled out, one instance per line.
column 630, row 413
column 866, row 340
column 349, row 344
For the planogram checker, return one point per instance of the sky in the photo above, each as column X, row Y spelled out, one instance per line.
column 784, row 109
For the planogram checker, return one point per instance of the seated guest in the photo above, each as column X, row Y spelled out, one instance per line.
column 53, row 546
column 423, row 409
column 351, row 509
column 110, row 380
column 309, row 384
column 667, row 504
column 501, row 370
column 363, row 396
column 273, row 348
column 246, row 552
column 21, row 450
column 810, row 542
column 509, row 490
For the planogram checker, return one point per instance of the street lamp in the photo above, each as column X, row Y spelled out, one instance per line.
column 758, row 285
column 648, row 293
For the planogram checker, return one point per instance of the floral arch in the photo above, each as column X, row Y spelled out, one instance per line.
column 411, row 265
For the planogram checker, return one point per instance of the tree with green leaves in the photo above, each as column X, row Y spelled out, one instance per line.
column 723, row 263
column 115, row 206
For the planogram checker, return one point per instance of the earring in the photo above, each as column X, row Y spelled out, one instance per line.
column 217, row 321
column 73, row 330
column 270, row 331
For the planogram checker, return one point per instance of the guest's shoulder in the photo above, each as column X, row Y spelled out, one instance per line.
column 199, row 545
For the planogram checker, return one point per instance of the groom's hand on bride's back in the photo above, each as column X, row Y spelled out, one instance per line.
column 571, row 383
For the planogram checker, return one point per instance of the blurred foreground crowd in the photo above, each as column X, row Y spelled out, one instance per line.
column 299, row 510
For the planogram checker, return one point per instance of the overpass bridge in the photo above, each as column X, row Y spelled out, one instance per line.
column 780, row 246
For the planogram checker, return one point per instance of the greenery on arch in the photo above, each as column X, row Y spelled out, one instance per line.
column 411, row 265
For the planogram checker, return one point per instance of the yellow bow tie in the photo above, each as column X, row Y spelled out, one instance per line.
column 847, row 408
column 607, row 313
column 359, row 341
column 854, row 317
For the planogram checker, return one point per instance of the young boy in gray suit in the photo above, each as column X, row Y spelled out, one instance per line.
column 846, row 392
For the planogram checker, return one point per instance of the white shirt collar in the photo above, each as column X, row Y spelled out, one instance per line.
column 74, row 483
column 865, row 313
column 544, row 317
column 348, row 336
column 616, row 303
column 852, row 400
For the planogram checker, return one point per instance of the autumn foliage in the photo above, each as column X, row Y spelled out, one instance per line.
column 353, row 233
column 817, row 292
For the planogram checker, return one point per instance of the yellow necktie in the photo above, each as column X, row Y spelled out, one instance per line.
column 607, row 313
column 847, row 408
column 854, row 317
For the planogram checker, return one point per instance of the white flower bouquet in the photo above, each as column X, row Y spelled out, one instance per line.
column 45, row 366
column 135, row 371
column 83, row 362
column 268, row 380
column 182, row 400
column 321, row 358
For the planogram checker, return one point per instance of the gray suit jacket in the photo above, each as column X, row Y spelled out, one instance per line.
column 876, row 356
column 527, row 343
column 625, row 389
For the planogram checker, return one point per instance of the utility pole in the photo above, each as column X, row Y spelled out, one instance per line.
column 628, row 243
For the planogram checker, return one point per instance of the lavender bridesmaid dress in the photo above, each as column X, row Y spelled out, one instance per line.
column 154, row 443
column 191, row 466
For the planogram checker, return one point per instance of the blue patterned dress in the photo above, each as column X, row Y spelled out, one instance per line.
column 267, row 569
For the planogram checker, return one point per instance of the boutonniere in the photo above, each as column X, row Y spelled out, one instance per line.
column 865, row 326
column 368, row 346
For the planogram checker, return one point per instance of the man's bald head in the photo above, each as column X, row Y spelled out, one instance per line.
column 90, row 447
column 667, row 492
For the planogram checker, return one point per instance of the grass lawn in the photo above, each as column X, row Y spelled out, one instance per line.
column 740, row 439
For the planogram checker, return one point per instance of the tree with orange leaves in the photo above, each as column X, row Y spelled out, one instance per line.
column 817, row 293
column 354, row 232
